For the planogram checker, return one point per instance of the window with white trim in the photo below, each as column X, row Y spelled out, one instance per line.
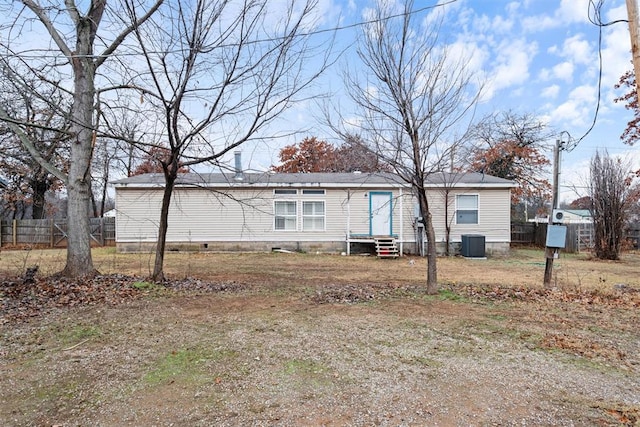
column 313, row 216
column 285, row 215
column 285, row 191
column 467, row 209
column 315, row 192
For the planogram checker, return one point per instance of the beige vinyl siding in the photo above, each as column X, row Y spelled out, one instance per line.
column 198, row 215
column 359, row 212
column 194, row 215
column 410, row 212
column 359, row 223
column 493, row 214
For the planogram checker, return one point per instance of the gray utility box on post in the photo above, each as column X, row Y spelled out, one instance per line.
column 473, row 246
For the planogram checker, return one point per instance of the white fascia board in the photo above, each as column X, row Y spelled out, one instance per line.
column 240, row 185
column 472, row 186
column 317, row 185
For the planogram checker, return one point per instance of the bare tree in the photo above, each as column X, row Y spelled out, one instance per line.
column 73, row 66
column 216, row 74
column 414, row 99
column 353, row 155
column 613, row 193
column 510, row 145
column 28, row 181
column 115, row 153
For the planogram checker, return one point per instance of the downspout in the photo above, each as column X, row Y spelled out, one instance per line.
column 401, row 222
column 348, row 230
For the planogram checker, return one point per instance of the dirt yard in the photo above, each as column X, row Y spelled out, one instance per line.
column 320, row 340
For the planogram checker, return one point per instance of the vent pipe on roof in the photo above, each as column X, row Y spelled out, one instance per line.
column 239, row 176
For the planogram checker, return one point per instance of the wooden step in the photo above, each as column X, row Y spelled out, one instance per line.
column 386, row 247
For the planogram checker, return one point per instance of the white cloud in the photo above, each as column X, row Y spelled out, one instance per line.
column 534, row 24
column 513, row 7
column 569, row 12
column 551, row 91
column 502, row 25
column 544, row 75
column 511, row 65
column 577, row 110
column 472, row 55
column 578, row 50
column 616, row 53
column 563, row 71
column 572, row 11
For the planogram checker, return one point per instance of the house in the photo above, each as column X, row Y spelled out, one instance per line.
column 326, row 212
column 567, row 216
column 574, row 216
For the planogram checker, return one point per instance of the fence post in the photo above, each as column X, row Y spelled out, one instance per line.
column 14, row 231
column 51, row 233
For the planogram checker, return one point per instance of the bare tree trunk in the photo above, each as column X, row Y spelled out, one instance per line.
column 447, row 224
column 103, row 202
column 79, row 260
column 40, row 187
column 158, row 266
column 432, row 254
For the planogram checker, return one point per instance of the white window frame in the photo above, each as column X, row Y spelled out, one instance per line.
column 286, row 216
column 314, row 216
column 467, row 209
column 285, row 192
column 313, row 192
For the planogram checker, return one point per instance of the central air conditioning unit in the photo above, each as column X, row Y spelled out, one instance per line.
column 558, row 216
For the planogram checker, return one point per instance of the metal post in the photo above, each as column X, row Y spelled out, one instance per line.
column 550, row 252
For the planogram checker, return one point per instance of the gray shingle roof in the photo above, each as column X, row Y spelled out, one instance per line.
column 268, row 179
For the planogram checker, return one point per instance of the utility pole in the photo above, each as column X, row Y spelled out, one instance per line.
column 550, row 253
column 632, row 13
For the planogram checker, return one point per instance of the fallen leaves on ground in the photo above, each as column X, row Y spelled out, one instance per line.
column 625, row 298
column 359, row 293
column 21, row 299
column 626, row 416
column 582, row 346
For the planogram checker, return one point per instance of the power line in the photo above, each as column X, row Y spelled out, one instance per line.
column 41, row 53
column 595, row 19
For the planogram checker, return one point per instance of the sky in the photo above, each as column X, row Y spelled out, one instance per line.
column 539, row 57
column 536, row 57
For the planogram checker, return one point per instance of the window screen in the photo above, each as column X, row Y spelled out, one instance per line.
column 285, row 215
column 467, row 209
column 313, row 216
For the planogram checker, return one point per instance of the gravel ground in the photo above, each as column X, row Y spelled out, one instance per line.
column 354, row 356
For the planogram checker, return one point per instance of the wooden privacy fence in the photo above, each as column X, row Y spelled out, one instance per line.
column 579, row 236
column 53, row 232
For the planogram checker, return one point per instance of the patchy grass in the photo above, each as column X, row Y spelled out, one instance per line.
column 144, row 285
column 522, row 267
column 309, row 339
column 186, row 366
